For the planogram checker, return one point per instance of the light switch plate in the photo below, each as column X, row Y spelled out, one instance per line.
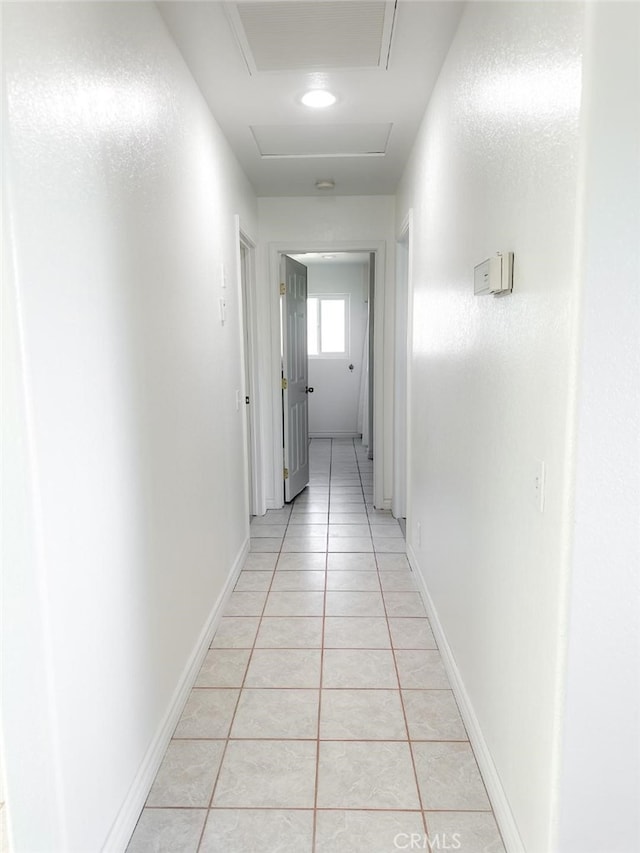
column 495, row 275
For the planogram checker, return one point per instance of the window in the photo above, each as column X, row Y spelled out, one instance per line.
column 327, row 326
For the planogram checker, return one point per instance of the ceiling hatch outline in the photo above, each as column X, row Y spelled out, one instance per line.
column 327, row 140
column 313, row 36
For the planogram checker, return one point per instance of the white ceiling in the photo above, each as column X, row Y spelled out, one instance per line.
column 311, row 258
column 379, row 57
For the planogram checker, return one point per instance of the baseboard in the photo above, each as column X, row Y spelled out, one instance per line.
column 334, row 434
column 129, row 813
column 502, row 810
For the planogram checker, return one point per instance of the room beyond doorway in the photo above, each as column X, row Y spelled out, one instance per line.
column 338, row 343
column 374, row 425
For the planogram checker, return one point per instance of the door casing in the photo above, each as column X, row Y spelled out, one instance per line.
column 276, row 250
column 403, row 332
column 246, row 277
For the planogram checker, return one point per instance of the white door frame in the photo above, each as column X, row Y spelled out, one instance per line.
column 251, row 422
column 298, row 248
column 402, row 385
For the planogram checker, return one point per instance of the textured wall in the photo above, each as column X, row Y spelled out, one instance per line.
column 122, row 198
column 600, row 772
column 495, row 168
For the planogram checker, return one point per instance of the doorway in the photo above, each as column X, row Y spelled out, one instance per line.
column 338, row 352
column 401, row 467
column 253, row 452
column 363, row 414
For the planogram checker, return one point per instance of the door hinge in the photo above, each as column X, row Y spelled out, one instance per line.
column 284, row 384
column 286, row 473
column 283, row 288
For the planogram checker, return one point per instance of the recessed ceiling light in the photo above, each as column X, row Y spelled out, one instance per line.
column 325, row 184
column 318, row 98
column 328, row 257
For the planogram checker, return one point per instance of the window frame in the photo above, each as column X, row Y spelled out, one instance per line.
column 346, row 299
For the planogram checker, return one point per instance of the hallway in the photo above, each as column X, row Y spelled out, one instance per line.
column 322, row 718
column 152, row 181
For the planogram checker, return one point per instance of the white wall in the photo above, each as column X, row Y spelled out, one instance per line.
column 600, row 771
column 312, row 224
column 121, row 202
column 493, row 382
column 333, row 406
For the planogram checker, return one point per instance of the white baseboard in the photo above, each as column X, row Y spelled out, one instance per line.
column 335, row 434
column 129, row 813
column 499, row 802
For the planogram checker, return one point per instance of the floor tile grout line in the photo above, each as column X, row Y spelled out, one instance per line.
column 320, row 809
column 368, row 518
column 235, row 710
column 313, row 739
column 375, row 558
column 333, row 649
column 402, row 703
column 364, row 498
column 322, row 640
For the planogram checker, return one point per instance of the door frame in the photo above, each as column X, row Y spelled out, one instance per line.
column 297, row 247
column 402, row 373
column 251, row 422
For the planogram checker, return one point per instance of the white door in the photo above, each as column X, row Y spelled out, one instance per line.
column 294, row 379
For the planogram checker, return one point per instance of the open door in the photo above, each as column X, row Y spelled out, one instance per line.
column 293, row 291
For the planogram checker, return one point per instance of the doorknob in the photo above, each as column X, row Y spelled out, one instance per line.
column 351, row 368
column 308, row 390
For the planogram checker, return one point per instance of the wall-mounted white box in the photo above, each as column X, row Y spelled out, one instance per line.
column 495, row 275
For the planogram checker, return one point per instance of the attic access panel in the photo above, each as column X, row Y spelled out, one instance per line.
column 330, row 140
column 296, row 36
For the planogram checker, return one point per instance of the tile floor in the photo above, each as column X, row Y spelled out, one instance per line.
column 322, row 720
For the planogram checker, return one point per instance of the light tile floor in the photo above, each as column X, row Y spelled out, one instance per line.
column 322, row 720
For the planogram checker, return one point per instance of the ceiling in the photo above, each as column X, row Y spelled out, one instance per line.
column 312, row 258
column 254, row 60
